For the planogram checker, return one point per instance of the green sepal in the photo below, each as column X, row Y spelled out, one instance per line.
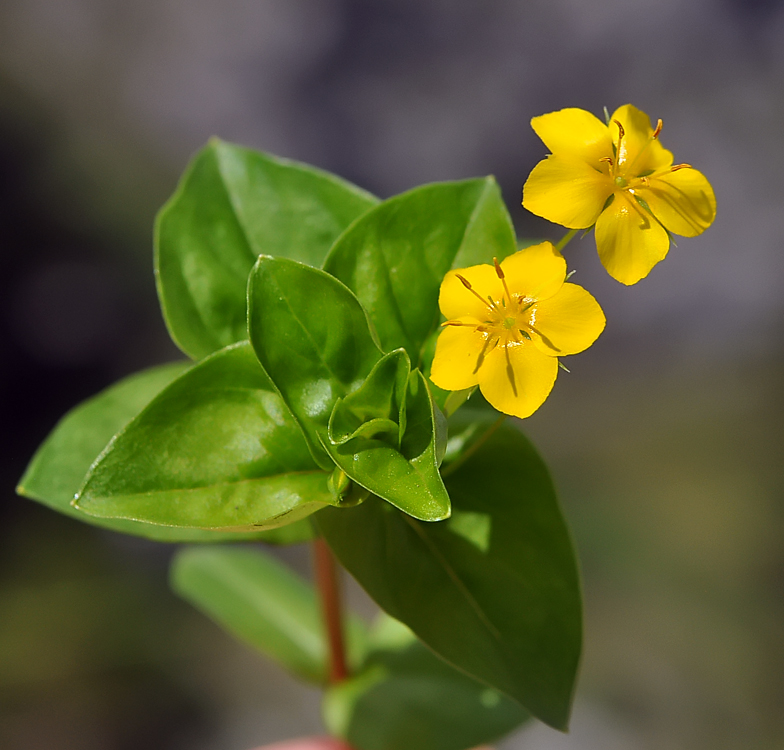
column 406, row 697
column 378, row 407
column 264, row 603
column 314, row 340
column 231, row 205
column 494, row 590
column 59, row 466
column 216, row 449
column 395, row 256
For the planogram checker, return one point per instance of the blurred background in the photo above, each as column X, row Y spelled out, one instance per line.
column 665, row 440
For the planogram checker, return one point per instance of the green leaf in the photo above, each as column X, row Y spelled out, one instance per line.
column 216, row 449
column 232, row 205
column 59, row 467
column 395, row 256
column 406, row 697
column 263, row 603
column 312, row 337
column 494, row 590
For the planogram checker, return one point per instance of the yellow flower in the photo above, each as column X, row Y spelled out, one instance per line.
column 507, row 325
column 619, row 177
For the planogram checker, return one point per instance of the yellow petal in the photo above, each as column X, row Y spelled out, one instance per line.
column 516, row 379
column 535, row 272
column 639, row 153
column 455, row 299
column 682, row 200
column 566, row 191
column 574, row 133
column 569, row 322
column 458, row 350
column 629, row 240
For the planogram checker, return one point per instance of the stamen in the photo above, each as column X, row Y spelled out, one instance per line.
column 457, row 323
column 500, row 274
column 607, row 159
column 680, row 166
column 658, row 129
column 621, row 132
column 467, row 285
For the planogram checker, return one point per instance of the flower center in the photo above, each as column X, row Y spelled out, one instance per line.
column 509, row 320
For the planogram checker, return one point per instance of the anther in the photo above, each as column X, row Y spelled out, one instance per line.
column 467, row 284
column 658, row 129
column 608, row 159
column 621, row 131
column 500, row 274
column 680, row 166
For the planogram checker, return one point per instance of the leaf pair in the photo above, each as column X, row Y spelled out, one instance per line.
column 365, row 412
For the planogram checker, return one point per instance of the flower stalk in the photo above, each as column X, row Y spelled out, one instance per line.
column 328, row 585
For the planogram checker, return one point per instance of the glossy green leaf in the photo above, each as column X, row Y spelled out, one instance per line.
column 494, row 590
column 265, row 604
column 232, row 205
column 59, row 467
column 395, row 256
column 312, row 337
column 216, row 449
column 406, row 697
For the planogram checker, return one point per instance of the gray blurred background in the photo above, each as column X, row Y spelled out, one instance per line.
column 665, row 439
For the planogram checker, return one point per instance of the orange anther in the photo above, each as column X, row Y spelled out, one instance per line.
column 680, row 166
column 621, row 131
column 658, row 129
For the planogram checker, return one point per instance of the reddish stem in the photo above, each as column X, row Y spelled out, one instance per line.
column 329, row 590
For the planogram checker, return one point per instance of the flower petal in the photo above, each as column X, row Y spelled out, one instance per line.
column 566, row 191
column 629, row 240
column 568, row 323
column 639, row 152
column 455, row 300
column 516, row 379
column 458, row 350
column 535, row 272
column 574, row 133
column 682, row 200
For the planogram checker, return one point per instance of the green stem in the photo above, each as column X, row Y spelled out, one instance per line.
column 455, row 465
column 329, row 591
column 564, row 241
